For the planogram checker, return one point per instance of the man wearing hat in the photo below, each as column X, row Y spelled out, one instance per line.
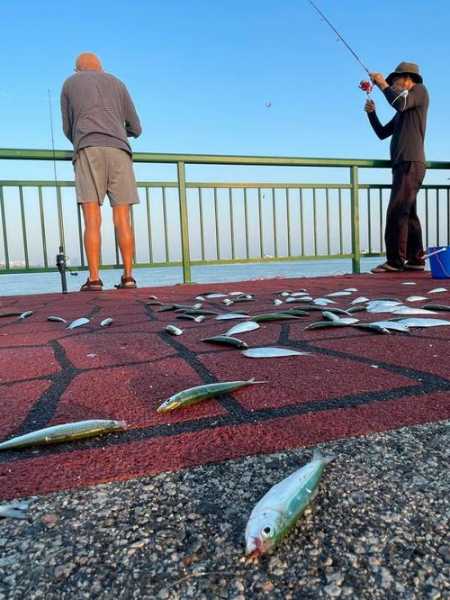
column 405, row 92
column 98, row 116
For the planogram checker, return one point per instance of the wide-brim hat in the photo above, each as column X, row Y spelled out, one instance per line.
column 406, row 68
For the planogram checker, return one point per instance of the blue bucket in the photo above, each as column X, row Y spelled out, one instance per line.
column 440, row 262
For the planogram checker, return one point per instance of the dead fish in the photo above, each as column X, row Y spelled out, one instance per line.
column 314, row 308
column 197, row 311
column 277, row 302
column 299, row 299
column 202, row 392
column 64, row 433
column 355, row 309
column 228, row 316
column 437, row 307
column 56, row 319
column 380, row 306
column 237, row 294
column 330, row 316
column 323, row 301
column 10, row 314
column 298, row 312
column 169, row 307
column 408, row 283
column 273, row 317
column 409, row 310
column 338, row 294
column 416, row 298
column 298, row 294
column 153, row 303
column 106, row 322
column 387, row 299
column 360, row 300
column 26, row 314
column 423, row 322
column 201, row 298
column 214, row 295
column 226, row 340
column 392, row 326
column 372, row 327
column 285, row 293
column 244, row 299
column 153, row 297
column 173, row 330
column 350, row 290
column 326, row 324
column 437, row 290
column 228, row 302
column 198, row 319
column 78, row 323
column 277, row 512
column 268, row 352
column 14, row 510
column 242, row 328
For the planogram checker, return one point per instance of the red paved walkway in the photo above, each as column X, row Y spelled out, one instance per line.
column 352, row 384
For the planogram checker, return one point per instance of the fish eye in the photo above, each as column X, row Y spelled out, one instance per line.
column 266, row 532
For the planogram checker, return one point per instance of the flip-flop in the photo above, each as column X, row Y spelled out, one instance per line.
column 126, row 283
column 410, row 267
column 92, row 286
column 386, row 268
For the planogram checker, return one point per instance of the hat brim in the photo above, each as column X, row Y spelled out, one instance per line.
column 414, row 76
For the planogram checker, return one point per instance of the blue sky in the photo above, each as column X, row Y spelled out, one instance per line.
column 200, row 72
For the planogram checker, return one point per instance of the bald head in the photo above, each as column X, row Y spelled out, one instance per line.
column 88, row 61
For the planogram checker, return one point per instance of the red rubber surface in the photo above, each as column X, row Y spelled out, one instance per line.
column 352, row 383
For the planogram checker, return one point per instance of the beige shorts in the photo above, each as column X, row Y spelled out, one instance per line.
column 100, row 171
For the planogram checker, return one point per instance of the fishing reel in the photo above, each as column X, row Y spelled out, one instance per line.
column 366, row 86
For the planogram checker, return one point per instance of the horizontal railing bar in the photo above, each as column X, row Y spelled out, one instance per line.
column 216, row 159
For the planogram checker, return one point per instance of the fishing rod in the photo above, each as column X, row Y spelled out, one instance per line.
column 60, row 257
column 366, row 86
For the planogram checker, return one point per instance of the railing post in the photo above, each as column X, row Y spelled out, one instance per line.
column 356, row 249
column 184, row 225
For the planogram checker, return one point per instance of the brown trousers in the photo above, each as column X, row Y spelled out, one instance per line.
column 403, row 234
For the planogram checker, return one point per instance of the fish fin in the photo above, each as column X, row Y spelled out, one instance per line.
column 253, row 380
column 317, row 455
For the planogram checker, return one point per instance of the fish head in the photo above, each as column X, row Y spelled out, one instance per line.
column 167, row 405
column 262, row 533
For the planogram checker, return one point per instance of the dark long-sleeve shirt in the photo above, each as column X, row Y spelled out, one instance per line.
column 408, row 126
column 97, row 111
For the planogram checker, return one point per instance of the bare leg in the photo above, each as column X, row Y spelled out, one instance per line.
column 125, row 239
column 92, row 238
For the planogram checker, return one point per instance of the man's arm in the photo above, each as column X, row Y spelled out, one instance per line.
column 66, row 115
column 382, row 131
column 402, row 101
column 132, row 123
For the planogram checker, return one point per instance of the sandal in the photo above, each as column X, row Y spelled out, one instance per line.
column 386, row 268
column 126, row 283
column 92, row 286
column 413, row 267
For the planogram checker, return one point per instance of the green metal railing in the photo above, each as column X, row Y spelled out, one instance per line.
column 288, row 217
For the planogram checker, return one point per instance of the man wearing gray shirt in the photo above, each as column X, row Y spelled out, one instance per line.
column 405, row 92
column 98, row 117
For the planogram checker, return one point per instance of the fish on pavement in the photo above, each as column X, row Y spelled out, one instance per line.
column 242, row 328
column 278, row 510
column 372, row 327
column 415, row 298
column 279, row 316
column 173, row 330
column 26, row 314
column 323, row 301
column 338, row 294
column 196, row 319
column 56, row 319
column 106, row 322
column 226, row 340
column 360, row 300
column 409, row 310
column 438, row 290
column 437, row 307
column 423, row 322
column 202, row 392
column 67, row 432
column 272, row 352
column 78, row 323
column 392, row 326
column 229, row 316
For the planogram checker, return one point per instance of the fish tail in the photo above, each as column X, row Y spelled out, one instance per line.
column 253, row 381
column 325, row 458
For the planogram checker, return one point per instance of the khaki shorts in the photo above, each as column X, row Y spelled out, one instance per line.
column 100, row 171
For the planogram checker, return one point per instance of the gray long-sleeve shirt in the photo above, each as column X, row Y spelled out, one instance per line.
column 97, row 111
column 408, row 126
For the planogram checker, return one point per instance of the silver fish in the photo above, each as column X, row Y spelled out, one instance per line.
column 227, row 316
column 422, row 322
column 277, row 302
column 330, row 316
column 278, row 510
column 338, row 294
column 14, row 510
column 64, row 433
column 409, row 310
column 242, row 328
column 153, row 297
column 106, row 322
column 237, row 294
column 297, row 299
column 173, row 330
column 26, row 314
column 323, row 301
column 57, row 319
column 78, row 323
column 228, row 302
column 416, row 298
column 298, row 294
column 360, row 300
column 285, row 294
column 409, row 283
column 437, row 290
column 214, row 295
column 350, row 290
column 196, row 319
column 380, row 306
column 226, row 340
column 392, row 325
column 372, row 327
column 266, row 352
column 202, row 298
